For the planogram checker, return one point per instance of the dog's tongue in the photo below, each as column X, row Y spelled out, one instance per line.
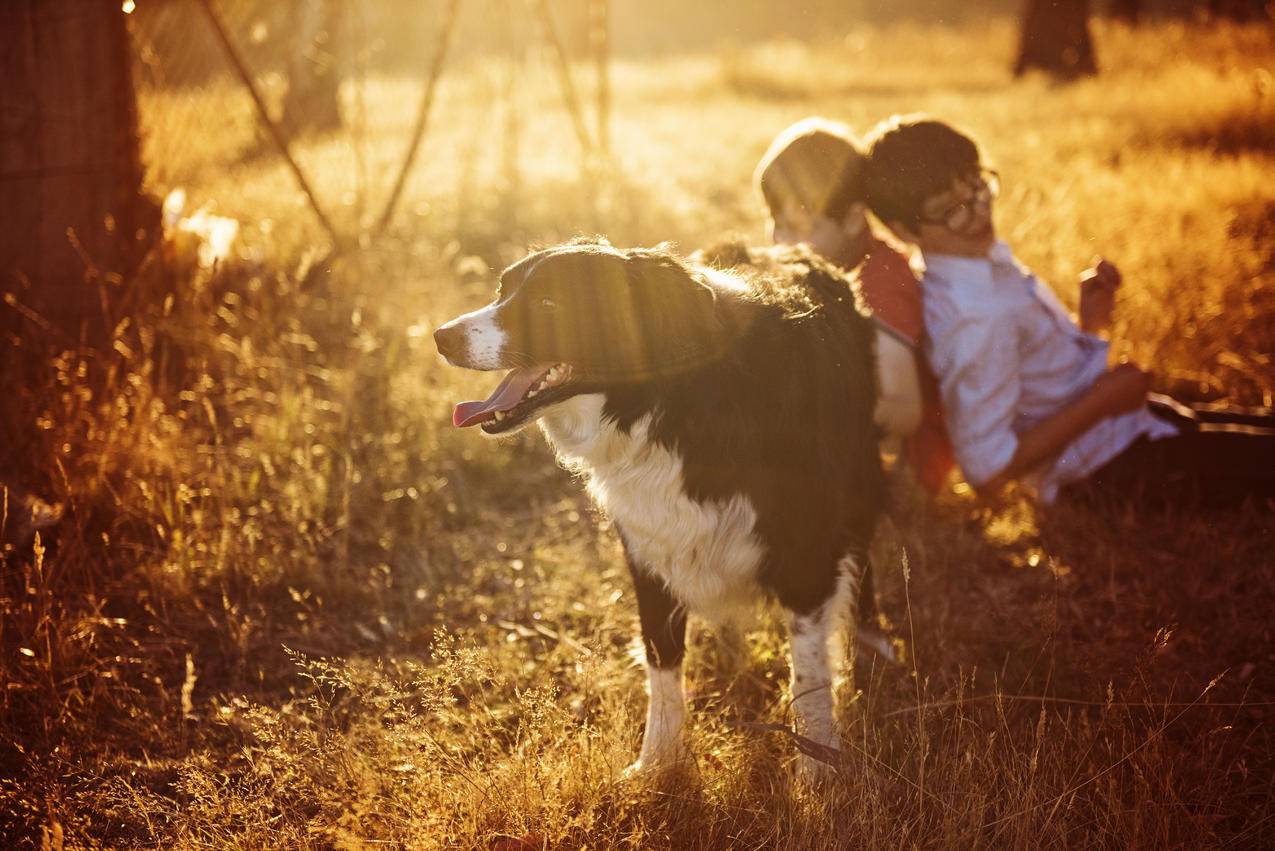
column 509, row 393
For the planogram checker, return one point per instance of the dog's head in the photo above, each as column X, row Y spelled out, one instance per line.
column 580, row 318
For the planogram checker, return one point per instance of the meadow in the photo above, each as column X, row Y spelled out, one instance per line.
column 290, row 606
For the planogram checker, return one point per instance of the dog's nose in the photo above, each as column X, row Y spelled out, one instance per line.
column 450, row 340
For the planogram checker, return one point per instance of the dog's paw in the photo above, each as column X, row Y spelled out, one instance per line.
column 641, row 770
column 659, row 769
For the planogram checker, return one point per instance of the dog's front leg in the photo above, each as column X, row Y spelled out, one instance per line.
column 664, row 640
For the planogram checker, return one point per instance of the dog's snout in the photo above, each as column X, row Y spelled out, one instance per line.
column 450, row 340
column 472, row 341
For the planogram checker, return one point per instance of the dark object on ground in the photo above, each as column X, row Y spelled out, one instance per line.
column 1055, row 39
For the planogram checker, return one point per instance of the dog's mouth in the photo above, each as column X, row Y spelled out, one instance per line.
column 519, row 395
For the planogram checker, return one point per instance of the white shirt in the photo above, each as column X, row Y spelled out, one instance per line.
column 1007, row 357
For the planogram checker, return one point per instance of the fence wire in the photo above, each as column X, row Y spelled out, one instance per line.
column 341, row 92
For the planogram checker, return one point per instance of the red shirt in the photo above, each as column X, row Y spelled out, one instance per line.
column 894, row 294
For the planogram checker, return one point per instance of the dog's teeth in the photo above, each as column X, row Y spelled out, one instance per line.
column 500, row 415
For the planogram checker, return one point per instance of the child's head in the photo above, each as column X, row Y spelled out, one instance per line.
column 927, row 182
column 810, row 181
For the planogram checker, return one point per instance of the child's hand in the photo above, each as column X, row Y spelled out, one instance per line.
column 1098, row 285
column 1124, row 387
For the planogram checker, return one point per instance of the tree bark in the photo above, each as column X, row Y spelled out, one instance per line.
column 1240, row 10
column 1128, row 11
column 1055, row 39
column 75, row 220
column 312, row 102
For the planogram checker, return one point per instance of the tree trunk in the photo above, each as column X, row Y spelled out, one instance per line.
column 1128, row 11
column 312, row 102
column 1055, row 39
column 1241, row 10
column 70, row 172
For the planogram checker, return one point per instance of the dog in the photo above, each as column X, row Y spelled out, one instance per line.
column 720, row 410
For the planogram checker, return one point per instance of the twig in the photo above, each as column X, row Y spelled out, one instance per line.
column 30, row 315
column 569, row 97
column 552, row 635
column 832, row 757
column 823, row 753
column 1040, row 698
column 1251, row 829
column 263, row 115
column 916, row 674
column 1077, row 787
column 422, row 115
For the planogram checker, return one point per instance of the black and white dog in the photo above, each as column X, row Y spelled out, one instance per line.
column 722, row 414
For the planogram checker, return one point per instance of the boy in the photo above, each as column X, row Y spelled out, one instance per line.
column 1027, row 392
column 810, row 180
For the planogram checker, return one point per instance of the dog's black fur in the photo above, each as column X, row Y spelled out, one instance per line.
column 783, row 415
column 768, row 393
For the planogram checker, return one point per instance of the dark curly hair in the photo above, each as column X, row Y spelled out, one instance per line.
column 910, row 159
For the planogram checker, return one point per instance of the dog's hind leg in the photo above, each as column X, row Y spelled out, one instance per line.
column 664, row 641
column 818, row 646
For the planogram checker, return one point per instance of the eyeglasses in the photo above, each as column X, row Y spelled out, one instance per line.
column 957, row 211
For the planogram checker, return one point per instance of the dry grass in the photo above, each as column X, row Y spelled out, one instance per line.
column 291, row 607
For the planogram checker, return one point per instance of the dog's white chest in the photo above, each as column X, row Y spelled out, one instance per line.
column 706, row 552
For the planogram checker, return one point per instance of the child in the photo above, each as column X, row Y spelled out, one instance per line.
column 810, row 179
column 1027, row 392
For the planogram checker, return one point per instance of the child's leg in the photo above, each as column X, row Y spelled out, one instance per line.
column 1216, row 466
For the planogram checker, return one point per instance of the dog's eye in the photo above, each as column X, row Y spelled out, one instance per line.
column 548, row 304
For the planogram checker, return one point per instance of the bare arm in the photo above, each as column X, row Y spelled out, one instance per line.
column 1098, row 285
column 898, row 410
column 1120, row 389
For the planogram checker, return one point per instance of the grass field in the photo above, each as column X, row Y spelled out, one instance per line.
column 290, row 606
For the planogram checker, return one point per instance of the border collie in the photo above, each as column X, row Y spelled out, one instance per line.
column 722, row 416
